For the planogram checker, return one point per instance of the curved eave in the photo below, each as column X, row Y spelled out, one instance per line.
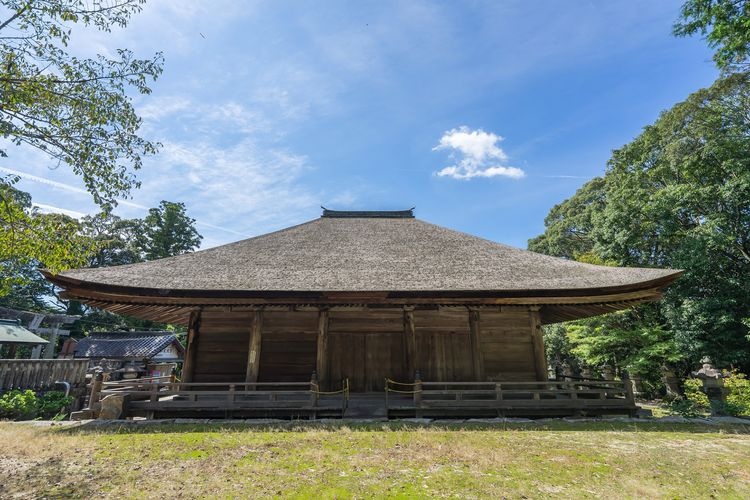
column 172, row 296
column 174, row 306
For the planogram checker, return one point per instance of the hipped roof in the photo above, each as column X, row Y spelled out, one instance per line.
column 361, row 257
column 366, row 254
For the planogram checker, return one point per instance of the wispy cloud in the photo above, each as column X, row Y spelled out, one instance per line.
column 477, row 154
column 51, row 209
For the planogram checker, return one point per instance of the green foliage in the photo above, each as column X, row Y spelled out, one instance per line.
column 619, row 340
column 29, row 238
column 677, row 196
column 695, row 403
column 724, row 23
column 26, row 405
column 568, row 225
column 116, row 239
column 75, row 110
column 738, row 394
column 18, row 405
column 693, row 389
column 167, row 231
column 52, row 404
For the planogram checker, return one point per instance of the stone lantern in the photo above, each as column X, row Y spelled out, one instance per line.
column 712, row 379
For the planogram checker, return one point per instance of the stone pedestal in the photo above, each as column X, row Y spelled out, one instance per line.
column 713, row 384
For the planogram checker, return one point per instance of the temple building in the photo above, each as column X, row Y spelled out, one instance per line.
column 364, row 296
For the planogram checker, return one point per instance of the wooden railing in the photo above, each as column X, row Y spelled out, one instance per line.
column 164, row 395
column 579, row 396
column 41, row 374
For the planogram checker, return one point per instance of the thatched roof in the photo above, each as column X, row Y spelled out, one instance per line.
column 362, row 252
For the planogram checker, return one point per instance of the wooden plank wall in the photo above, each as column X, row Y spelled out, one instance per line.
column 288, row 346
column 222, row 346
column 506, row 344
column 368, row 345
column 444, row 344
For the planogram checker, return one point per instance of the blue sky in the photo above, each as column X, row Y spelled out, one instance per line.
column 483, row 115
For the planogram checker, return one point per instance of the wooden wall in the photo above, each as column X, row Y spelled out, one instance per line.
column 506, row 345
column 222, row 346
column 369, row 345
column 443, row 345
column 365, row 346
column 288, row 346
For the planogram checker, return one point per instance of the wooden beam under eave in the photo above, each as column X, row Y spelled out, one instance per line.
column 476, row 344
column 253, row 351
column 121, row 298
column 321, row 355
column 191, row 350
column 537, row 341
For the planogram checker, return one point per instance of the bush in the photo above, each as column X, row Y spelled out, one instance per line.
column 738, row 394
column 694, row 404
column 18, row 405
column 26, row 405
column 693, row 389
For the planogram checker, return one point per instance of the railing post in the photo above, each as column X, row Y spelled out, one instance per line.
column 231, row 394
column 418, row 394
column 314, row 389
column 499, row 392
column 386, row 398
column 154, row 392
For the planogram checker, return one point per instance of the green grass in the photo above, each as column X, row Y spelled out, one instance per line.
column 378, row 460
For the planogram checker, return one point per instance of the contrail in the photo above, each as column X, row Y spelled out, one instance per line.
column 76, row 189
column 64, row 211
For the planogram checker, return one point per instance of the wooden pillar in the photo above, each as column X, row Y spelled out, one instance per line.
column 476, row 345
column 253, row 350
column 321, row 357
column 540, row 358
column 410, row 343
column 188, row 366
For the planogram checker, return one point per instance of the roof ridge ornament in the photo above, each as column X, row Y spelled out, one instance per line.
column 369, row 214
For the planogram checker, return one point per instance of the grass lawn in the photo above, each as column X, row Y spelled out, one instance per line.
column 376, row 460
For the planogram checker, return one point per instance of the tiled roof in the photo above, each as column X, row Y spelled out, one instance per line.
column 138, row 345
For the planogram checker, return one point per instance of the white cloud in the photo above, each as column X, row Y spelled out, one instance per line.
column 51, row 209
column 477, row 154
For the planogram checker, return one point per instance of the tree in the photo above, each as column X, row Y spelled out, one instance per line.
column 29, row 238
column 116, row 239
column 568, row 225
column 167, row 231
column 75, row 110
column 677, row 196
column 726, row 26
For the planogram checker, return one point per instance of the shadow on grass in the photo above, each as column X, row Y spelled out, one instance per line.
column 166, row 427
